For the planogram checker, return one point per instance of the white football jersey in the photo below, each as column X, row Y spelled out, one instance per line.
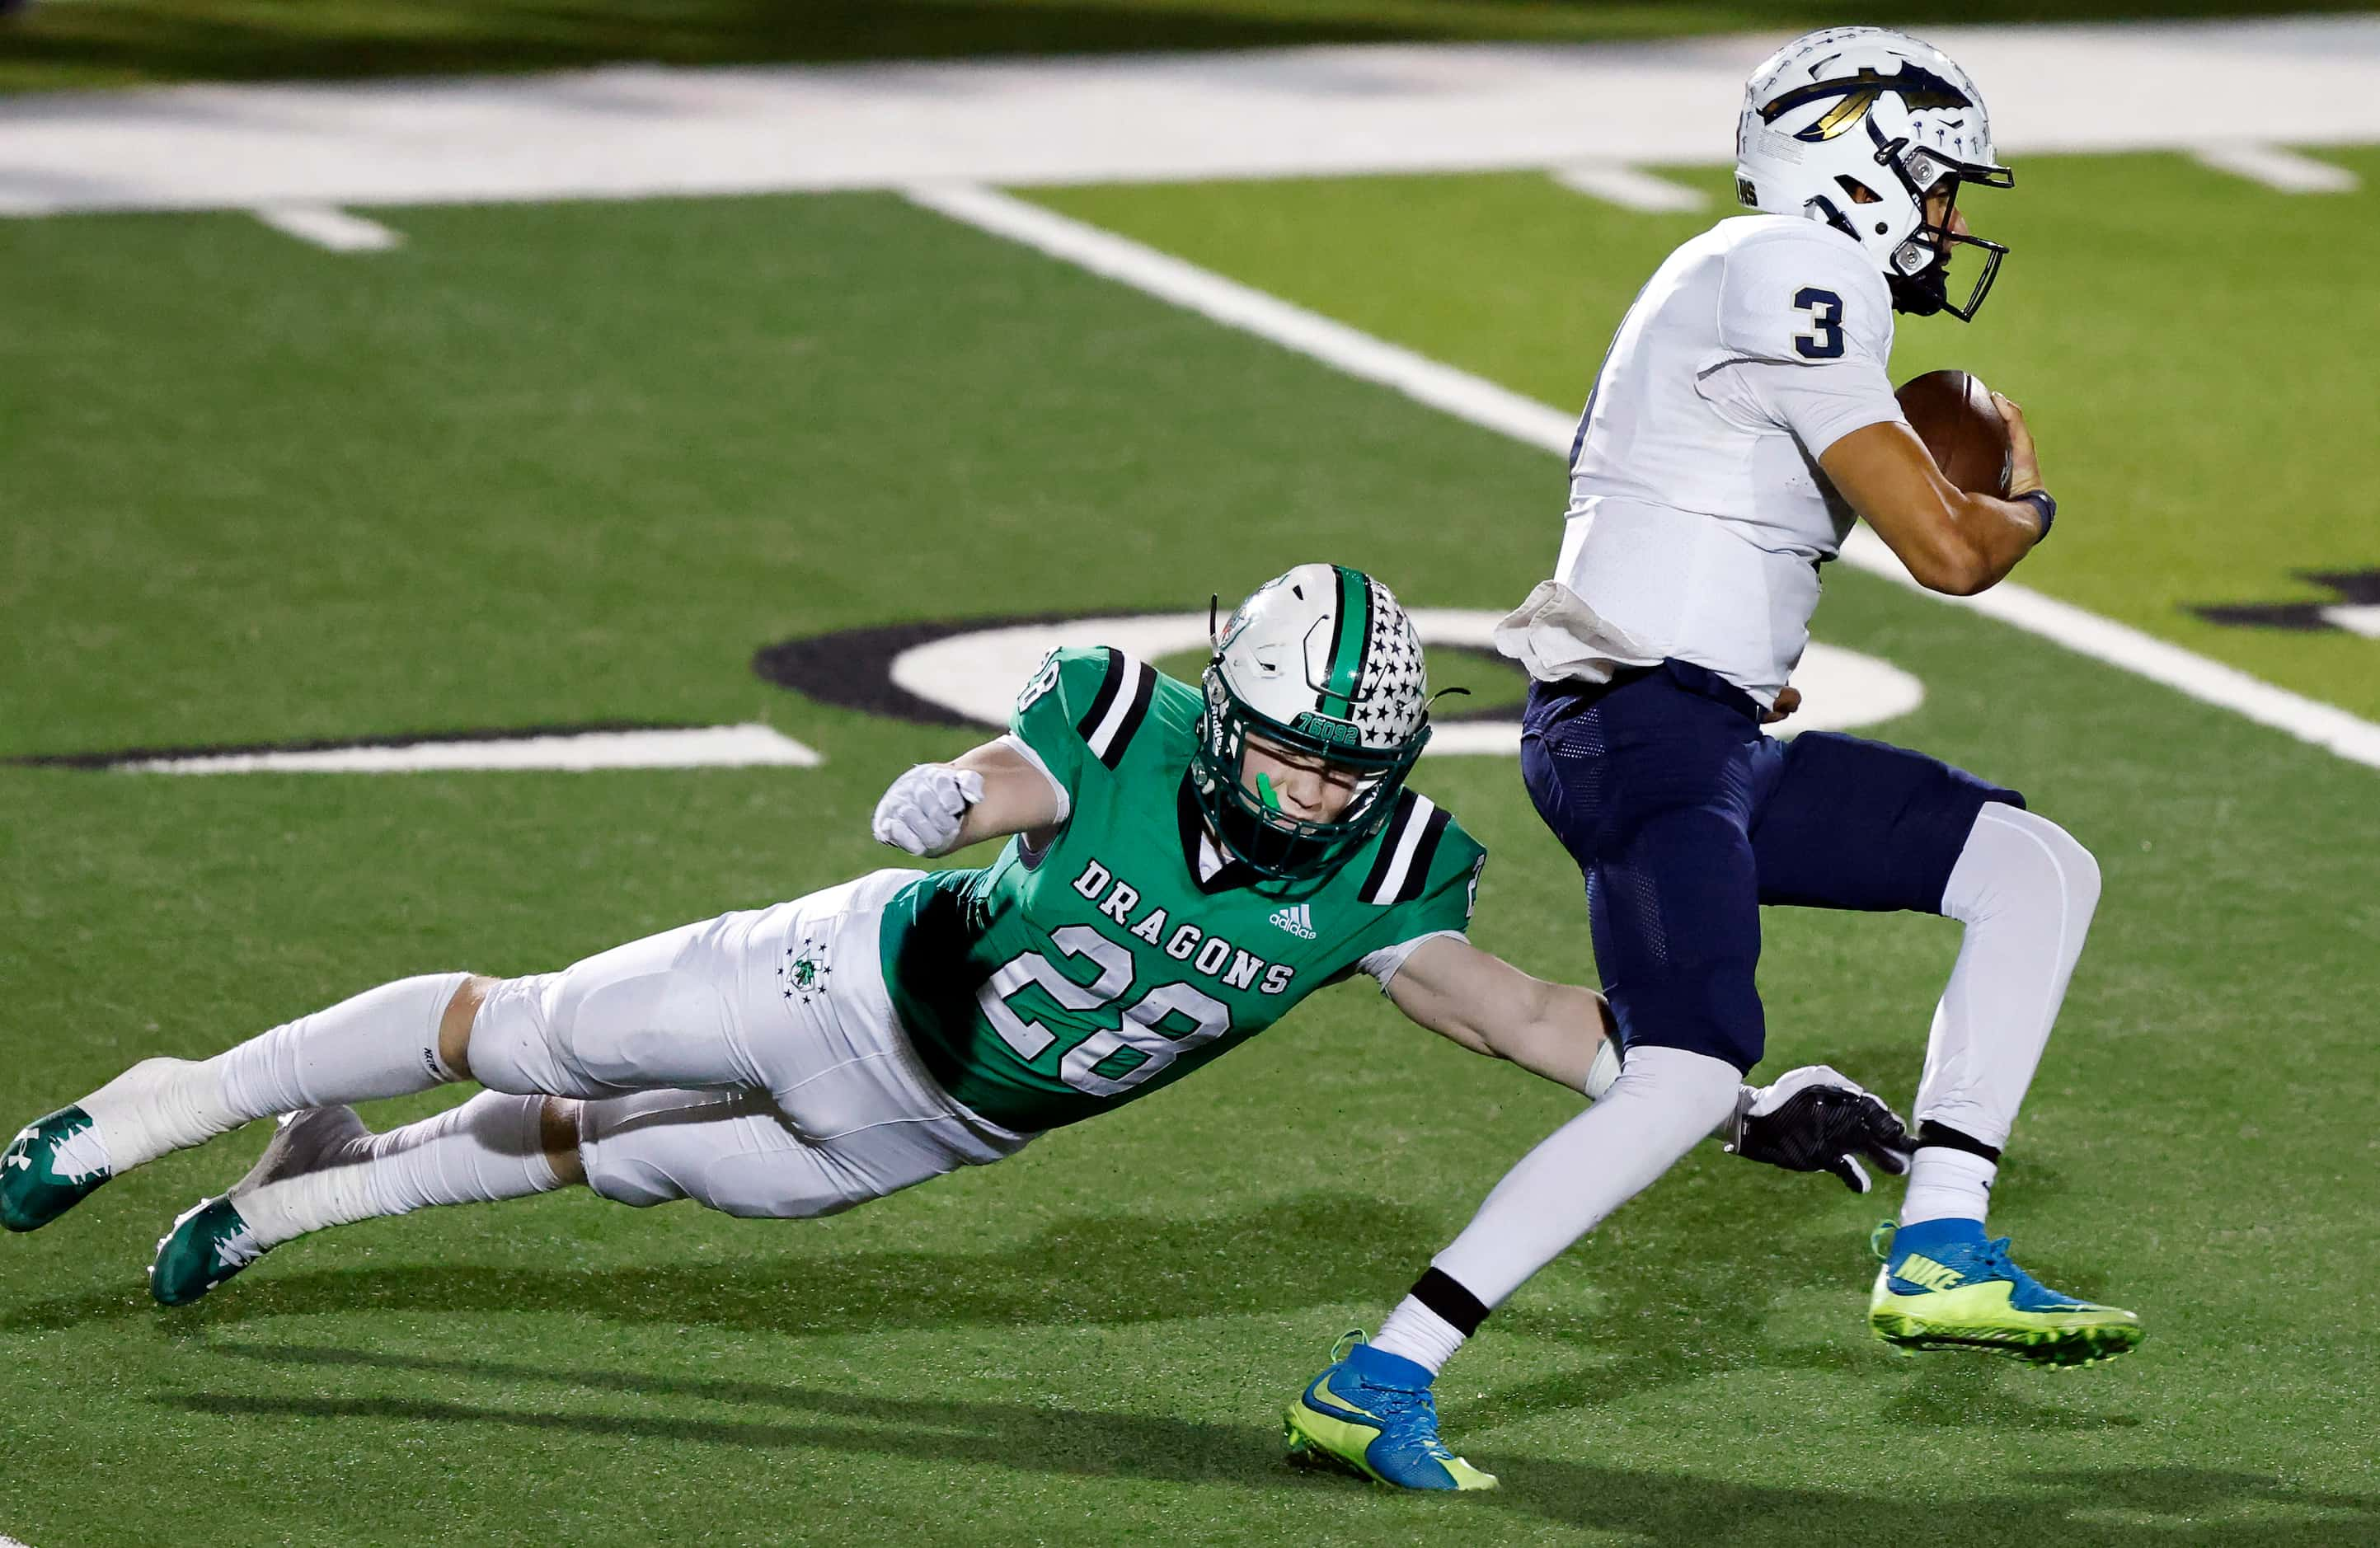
column 1698, row 516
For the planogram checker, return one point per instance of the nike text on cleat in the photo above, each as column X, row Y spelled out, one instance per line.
column 208, row 1244
column 1297, row 919
column 53, row 1165
column 1386, row 1433
column 1968, row 1294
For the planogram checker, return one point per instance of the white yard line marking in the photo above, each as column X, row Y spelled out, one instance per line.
column 699, row 747
column 2277, row 168
column 2120, row 645
column 328, row 226
column 2356, row 619
column 1630, row 189
column 1483, row 404
column 640, row 131
column 1251, row 310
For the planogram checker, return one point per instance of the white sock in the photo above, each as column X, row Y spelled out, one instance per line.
column 1419, row 1335
column 381, row 1043
column 1945, row 1184
column 2026, row 890
column 1664, row 1102
column 489, row 1148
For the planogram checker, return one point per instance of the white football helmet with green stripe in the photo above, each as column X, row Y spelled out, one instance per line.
column 1323, row 661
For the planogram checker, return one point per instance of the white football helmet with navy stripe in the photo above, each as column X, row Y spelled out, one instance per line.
column 1320, row 661
column 1861, row 108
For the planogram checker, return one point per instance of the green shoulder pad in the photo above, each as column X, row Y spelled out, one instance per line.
column 1083, row 708
column 1424, row 873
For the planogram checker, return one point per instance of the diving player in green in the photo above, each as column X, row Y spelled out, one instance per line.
column 1182, row 869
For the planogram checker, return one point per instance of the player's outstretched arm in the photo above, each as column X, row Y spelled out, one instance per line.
column 1952, row 541
column 1812, row 1119
column 1490, row 1006
column 988, row 791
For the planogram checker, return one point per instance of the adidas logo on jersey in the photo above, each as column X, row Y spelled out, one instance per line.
column 1297, row 919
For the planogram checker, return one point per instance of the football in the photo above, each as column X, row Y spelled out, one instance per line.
column 1952, row 412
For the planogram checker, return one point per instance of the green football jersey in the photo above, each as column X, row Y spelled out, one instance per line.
column 1058, row 983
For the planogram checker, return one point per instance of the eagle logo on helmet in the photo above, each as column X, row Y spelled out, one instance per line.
column 1916, row 87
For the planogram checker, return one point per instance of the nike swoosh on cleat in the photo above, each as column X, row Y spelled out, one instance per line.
column 1337, row 1407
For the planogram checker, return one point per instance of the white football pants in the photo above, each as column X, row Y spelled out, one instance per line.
column 750, row 1062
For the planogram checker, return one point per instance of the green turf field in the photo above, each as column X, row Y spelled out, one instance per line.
column 562, row 464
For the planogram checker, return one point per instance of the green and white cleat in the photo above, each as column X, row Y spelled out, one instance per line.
column 211, row 1242
column 53, row 1164
column 1944, row 1286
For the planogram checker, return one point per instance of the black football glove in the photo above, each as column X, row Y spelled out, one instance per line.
column 1815, row 1120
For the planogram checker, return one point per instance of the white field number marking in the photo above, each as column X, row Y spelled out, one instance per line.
column 701, row 747
column 326, row 226
column 975, row 675
column 1483, row 402
column 2276, row 168
column 1630, row 189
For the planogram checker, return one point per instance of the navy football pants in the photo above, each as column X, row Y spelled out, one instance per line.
column 1685, row 818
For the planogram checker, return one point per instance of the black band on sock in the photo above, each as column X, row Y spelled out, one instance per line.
column 1461, row 1310
column 1943, row 1136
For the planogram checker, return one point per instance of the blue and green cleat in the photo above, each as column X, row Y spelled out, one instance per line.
column 1371, row 1414
column 1944, row 1286
column 53, row 1164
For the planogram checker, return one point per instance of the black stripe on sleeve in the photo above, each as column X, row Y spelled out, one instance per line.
column 1109, row 686
column 1144, row 689
column 1391, row 835
column 1417, row 874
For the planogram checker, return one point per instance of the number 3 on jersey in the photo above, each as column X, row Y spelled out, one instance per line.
column 1825, row 341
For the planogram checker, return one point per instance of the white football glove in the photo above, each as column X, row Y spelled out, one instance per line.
column 924, row 809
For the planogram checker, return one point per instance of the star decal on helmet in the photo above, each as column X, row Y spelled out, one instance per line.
column 1388, row 705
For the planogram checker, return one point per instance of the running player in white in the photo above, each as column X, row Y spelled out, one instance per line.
column 1183, row 866
column 1742, row 422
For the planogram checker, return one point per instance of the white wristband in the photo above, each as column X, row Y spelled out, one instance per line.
column 1603, row 1071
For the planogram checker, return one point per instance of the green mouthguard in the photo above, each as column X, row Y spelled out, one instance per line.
column 1264, row 790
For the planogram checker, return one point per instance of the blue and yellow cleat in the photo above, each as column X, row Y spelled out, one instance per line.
column 53, row 1164
column 1372, row 1415
column 1944, row 1286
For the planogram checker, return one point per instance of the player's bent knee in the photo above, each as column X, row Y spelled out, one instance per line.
column 454, row 1024
column 628, row 1031
column 731, row 1152
column 1699, row 1088
column 2081, row 869
column 2015, row 858
column 557, row 1134
column 510, row 1041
